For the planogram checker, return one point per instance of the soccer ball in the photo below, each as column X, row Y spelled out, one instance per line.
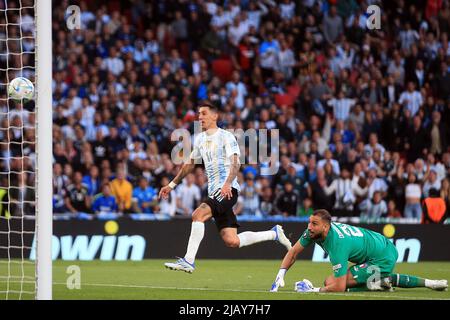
column 20, row 88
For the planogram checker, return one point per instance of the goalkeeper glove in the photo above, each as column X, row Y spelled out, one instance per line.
column 279, row 281
column 305, row 286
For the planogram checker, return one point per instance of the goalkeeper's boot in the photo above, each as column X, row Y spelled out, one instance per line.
column 281, row 237
column 438, row 285
column 386, row 284
column 181, row 265
column 383, row 284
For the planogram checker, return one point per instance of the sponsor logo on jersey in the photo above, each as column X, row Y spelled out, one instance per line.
column 337, row 267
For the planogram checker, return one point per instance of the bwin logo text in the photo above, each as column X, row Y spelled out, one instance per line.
column 87, row 248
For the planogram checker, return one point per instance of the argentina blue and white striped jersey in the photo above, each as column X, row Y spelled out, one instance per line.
column 215, row 150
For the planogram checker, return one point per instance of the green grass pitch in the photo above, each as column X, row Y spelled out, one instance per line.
column 212, row 279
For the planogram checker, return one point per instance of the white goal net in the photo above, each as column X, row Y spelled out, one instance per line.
column 17, row 152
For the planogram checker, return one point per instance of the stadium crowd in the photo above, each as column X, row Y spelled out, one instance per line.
column 363, row 114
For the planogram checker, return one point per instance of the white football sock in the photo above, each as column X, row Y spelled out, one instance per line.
column 281, row 273
column 197, row 233
column 248, row 238
column 429, row 283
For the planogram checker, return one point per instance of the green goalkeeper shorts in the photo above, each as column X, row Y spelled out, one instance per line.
column 384, row 265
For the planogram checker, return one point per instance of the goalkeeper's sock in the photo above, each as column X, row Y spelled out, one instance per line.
column 197, row 233
column 407, row 281
column 248, row 237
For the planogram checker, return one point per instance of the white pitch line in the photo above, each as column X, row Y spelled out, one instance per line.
column 387, row 297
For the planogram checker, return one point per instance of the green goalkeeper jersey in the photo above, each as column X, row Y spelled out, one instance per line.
column 349, row 243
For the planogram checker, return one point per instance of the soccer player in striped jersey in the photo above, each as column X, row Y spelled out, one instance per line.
column 219, row 151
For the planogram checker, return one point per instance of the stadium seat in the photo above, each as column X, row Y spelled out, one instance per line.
column 294, row 90
column 284, row 99
column 222, row 68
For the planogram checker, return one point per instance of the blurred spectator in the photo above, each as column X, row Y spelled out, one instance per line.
column 341, row 106
column 345, row 193
column 92, row 181
column 373, row 145
column 418, row 75
column 211, row 43
column 294, row 178
column 319, row 92
column 113, row 64
column 374, row 207
column 434, row 208
column 22, row 196
column 122, row 191
column 268, row 52
column 328, row 159
column 286, row 60
column 267, row 206
column 288, row 200
column 180, row 31
column 396, row 68
column 432, row 182
column 188, row 196
column 256, row 10
column 237, row 30
column 372, row 94
column 237, row 90
column 104, row 202
column 306, row 209
column 391, row 92
column 438, row 134
column 144, row 197
column 287, row 9
column 416, row 140
column 77, row 197
column 408, row 36
column 392, row 211
column 333, row 26
column 60, row 183
column 411, row 99
column 376, row 184
column 167, row 206
column 250, row 196
column 413, row 193
column 99, row 148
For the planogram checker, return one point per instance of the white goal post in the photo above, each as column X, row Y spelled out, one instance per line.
column 44, row 213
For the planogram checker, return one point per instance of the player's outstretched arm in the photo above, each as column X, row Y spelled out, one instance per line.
column 291, row 256
column 288, row 261
column 184, row 171
column 335, row 285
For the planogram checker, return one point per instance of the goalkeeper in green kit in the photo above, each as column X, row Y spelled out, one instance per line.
column 373, row 255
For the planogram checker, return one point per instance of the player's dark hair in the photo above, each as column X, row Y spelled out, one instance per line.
column 323, row 214
column 209, row 105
